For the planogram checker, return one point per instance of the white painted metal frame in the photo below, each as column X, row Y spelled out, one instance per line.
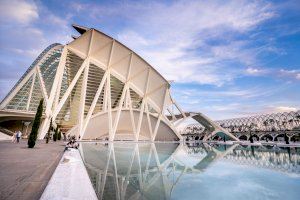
column 125, row 100
column 136, row 75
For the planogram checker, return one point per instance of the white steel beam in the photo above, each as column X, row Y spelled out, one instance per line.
column 57, row 79
column 140, row 119
column 132, row 116
column 54, row 91
column 83, row 90
column 139, row 167
column 108, row 96
column 19, row 86
column 149, row 120
column 172, row 114
column 116, row 174
column 127, row 175
column 91, row 110
column 117, row 117
column 105, row 170
column 183, row 114
column 142, row 107
column 156, row 127
column 42, row 85
column 105, row 98
column 82, row 99
column 70, row 88
column 16, row 90
column 30, row 93
column 160, row 116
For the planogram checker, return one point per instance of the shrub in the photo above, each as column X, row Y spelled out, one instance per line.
column 59, row 135
column 55, row 134
column 49, row 132
column 36, row 125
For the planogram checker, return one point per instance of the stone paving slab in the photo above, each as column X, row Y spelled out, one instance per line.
column 24, row 172
column 3, row 136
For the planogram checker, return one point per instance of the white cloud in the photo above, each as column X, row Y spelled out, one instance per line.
column 280, row 73
column 18, row 11
column 289, row 73
column 187, row 41
column 27, row 27
column 280, row 109
column 233, row 101
column 255, row 71
column 230, row 92
column 175, row 37
column 26, row 32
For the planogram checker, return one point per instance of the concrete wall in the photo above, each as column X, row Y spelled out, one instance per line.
column 98, row 127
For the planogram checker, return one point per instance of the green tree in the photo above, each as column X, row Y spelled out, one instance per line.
column 55, row 134
column 59, row 135
column 36, row 125
column 49, row 132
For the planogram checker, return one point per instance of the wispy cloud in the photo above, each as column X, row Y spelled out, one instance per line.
column 181, row 40
column 180, row 35
column 27, row 27
column 290, row 73
column 233, row 101
column 18, row 11
column 255, row 71
column 220, row 55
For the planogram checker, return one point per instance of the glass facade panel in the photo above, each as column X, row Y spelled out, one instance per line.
column 48, row 68
column 36, row 95
column 19, row 101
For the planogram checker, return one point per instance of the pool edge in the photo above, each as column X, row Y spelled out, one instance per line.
column 70, row 179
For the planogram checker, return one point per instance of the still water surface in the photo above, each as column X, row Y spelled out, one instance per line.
column 180, row 171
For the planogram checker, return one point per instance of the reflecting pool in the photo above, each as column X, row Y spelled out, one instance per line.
column 203, row 171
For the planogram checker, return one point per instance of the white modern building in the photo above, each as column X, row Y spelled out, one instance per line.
column 97, row 88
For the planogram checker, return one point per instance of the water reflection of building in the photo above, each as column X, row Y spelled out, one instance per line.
column 152, row 171
column 286, row 159
column 134, row 171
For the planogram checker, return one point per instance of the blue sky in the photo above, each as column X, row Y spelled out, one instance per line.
column 231, row 59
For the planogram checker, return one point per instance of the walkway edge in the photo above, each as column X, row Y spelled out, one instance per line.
column 70, row 180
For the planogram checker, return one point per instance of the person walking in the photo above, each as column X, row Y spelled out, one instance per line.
column 19, row 134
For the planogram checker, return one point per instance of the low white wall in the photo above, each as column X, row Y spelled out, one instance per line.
column 70, row 180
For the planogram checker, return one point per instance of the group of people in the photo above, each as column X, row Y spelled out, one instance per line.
column 72, row 143
column 16, row 136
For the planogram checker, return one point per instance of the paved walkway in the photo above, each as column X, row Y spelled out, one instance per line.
column 4, row 136
column 24, row 172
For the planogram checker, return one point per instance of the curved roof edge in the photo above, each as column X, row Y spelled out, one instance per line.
column 135, row 54
column 82, row 30
column 41, row 55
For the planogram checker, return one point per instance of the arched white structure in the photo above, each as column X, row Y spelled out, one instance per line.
column 95, row 87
